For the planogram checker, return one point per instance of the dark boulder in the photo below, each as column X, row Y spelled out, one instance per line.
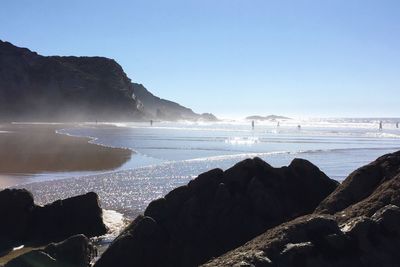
column 365, row 209
column 365, row 190
column 362, row 183
column 76, row 251
column 23, row 222
column 142, row 243
column 218, row 211
column 64, row 218
column 16, row 206
column 385, row 194
column 317, row 240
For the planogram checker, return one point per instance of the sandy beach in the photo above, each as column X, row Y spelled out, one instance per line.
column 37, row 148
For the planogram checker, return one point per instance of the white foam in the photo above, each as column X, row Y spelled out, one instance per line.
column 237, row 156
column 242, row 140
column 18, row 248
column 382, row 135
column 114, row 221
column 313, row 126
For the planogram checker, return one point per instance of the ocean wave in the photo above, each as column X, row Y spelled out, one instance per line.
column 308, row 127
column 92, row 140
column 242, row 140
column 382, row 135
column 238, row 156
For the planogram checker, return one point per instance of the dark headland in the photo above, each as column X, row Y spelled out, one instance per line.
column 249, row 215
column 70, row 89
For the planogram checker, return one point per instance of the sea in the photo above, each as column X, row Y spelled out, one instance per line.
column 170, row 154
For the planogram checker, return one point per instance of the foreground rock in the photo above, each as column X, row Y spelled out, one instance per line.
column 76, row 251
column 16, row 207
column 64, row 218
column 317, row 240
column 362, row 183
column 24, row 222
column 217, row 212
column 363, row 230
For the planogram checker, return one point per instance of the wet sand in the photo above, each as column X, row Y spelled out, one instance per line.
column 13, row 254
column 37, row 148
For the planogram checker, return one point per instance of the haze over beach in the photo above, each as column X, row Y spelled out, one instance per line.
column 293, row 58
column 199, row 133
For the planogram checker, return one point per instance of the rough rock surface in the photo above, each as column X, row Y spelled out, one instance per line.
column 317, row 240
column 35, row 87
column 385, row 194
column 76, row 251
column 161, row 109
column 24, row 222
column 218, row 211
column 364, row 231
column 362, row 183
column 63, row 218
column 54, row 88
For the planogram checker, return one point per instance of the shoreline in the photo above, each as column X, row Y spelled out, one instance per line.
column 34, row 149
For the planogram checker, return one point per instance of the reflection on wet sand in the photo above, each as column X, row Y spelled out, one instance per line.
column 32, row 149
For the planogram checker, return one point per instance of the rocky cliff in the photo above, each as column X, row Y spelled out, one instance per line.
column 161, row 109
column 35, row 87
column 54, row 88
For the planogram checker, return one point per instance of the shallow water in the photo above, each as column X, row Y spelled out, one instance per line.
column 170, row 154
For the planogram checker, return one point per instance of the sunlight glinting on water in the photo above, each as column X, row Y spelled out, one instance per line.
column 170, row 154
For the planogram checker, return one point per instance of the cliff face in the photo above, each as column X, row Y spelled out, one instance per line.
column 162, row 109
column 54, row 88
column 156, row 107
column 34, row 87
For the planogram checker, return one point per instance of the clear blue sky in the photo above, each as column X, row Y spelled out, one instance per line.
column 232, row 57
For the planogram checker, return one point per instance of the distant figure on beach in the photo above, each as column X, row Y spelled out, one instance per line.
column 151, row 122
column 252, row 125
column 96, row 121
column 299, row 127
column 277, row 125
column 380, row 125
column 397, row 124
